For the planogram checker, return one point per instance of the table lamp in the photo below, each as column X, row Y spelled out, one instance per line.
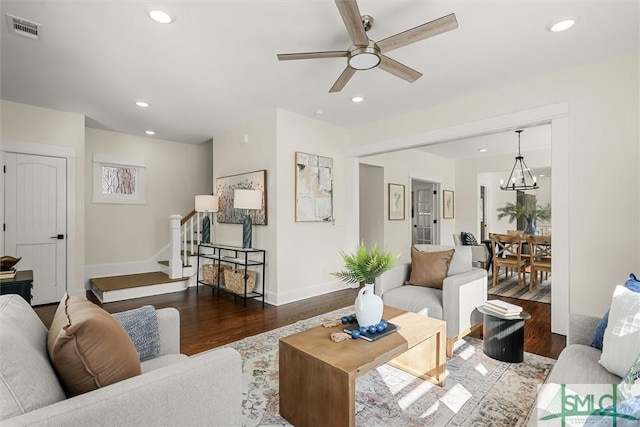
column 206, row 203
column 249, row 200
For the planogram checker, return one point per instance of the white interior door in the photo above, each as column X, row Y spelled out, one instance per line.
column 35, row 221
column 424, row 217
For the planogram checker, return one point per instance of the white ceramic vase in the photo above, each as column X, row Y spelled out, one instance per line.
column 369, row 306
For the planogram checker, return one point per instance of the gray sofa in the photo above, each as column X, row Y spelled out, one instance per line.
column 578, row 362
column 173, row 389
column 464, row 289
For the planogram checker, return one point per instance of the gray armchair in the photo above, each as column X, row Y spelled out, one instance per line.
column 464, row 289
column 479, row 252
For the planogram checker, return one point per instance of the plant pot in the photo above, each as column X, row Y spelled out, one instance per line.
column 368, row 306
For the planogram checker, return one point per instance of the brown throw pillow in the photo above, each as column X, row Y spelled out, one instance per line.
column 88, row 348
column 429, row 268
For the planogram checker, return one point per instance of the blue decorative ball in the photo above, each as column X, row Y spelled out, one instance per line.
column 384, row 322
column 380, row 328
column 352, row 319
column 344, row 320
column 355, row 334
column 373, row 329
column 363, row 330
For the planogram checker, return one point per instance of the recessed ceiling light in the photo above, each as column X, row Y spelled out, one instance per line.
column 319, row 112
column 562, row 25
column 482, row 150
column 142, row 104
column 541, row 175
column 357, row 99
column 149, row 132
column 161, row 16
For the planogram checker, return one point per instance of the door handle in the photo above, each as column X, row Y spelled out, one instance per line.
column 59, row 237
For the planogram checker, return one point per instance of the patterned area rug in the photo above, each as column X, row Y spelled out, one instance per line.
column 508, row 287
column 479, row 391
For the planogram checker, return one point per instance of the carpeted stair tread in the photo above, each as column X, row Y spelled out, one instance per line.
column 127, row 281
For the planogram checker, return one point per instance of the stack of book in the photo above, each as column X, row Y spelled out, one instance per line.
column 503, row 308
column 8, row 274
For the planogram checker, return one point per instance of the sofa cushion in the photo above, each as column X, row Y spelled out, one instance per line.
column 141, row 325
column 578, row 364
column 622, row 336
column 632, row 283
column 27, row 379
column 89, row 349
column 461, row 262
column 429, row 268
column 468, row 239
column 417, row 299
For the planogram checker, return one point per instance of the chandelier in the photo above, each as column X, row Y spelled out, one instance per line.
column 520, row 177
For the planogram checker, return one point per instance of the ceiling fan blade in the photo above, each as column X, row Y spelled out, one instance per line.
column 353, row 21
column 397, row 69
column 421, row 32
column 343, row 79
column 313, row 55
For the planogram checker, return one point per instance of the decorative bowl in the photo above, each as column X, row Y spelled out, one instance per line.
column 7, row 262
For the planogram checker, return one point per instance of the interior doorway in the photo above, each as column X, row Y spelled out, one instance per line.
column 36, row 221
column 372, row 205
column 425, row 209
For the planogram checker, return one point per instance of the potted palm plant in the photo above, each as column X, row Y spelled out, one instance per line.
column 364, row 266
column 530, row 211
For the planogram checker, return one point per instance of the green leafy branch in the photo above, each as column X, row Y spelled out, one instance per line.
column 364, row 265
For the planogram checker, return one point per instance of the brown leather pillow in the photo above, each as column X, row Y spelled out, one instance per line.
column 88, row 348
column 429, row 268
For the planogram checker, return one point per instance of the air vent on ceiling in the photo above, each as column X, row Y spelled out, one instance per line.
column 22, row 27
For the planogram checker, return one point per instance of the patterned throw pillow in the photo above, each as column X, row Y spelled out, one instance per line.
column 630, row 384
column 468, row 239
column 142, row 326
column 632, row 283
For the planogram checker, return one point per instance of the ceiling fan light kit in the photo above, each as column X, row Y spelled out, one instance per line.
column 365, row 54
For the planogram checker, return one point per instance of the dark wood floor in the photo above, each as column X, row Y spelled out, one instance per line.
column 209, row 321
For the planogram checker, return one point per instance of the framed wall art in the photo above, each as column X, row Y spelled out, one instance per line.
column 225, row 186
column 314, row 188
column 396, row 202
column 447, row 204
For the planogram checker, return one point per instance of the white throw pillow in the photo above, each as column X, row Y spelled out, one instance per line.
column 622, row 336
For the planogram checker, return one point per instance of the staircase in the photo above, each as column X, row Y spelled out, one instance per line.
column 174, row 275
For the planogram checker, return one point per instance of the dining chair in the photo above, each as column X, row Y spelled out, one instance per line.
column 507, row 253
column 540, row 258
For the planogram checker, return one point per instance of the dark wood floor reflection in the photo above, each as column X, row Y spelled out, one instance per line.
column 209, row 320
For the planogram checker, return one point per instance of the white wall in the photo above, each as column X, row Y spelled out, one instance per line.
column 307, row 252
column 470, row 173
column 175, row 173
column 28, row 124
column 603, row 141
column 399, row 168
column 231, row 156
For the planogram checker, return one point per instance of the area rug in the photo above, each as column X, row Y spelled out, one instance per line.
column 508, row 287
column 479, row 391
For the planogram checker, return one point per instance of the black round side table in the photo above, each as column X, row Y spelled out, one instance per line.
column 503, row 336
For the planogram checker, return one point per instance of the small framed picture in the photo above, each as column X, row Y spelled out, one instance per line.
column 396, row 202
column 447, row 204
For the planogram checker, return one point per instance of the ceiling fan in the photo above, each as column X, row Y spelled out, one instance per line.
column 366, row 54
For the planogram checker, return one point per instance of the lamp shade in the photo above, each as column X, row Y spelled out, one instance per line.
column 247, row 199
column 206, row 203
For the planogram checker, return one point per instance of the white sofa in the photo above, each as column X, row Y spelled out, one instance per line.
column 479, row 252
column 173, row 389
column 463, row 290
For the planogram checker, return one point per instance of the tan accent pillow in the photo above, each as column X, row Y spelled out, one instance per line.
column 429, row 268
column 88, row 348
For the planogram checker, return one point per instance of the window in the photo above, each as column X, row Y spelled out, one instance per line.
column 117, row 181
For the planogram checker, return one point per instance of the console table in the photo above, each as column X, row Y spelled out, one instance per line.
column 238, row 258
column 21, row 284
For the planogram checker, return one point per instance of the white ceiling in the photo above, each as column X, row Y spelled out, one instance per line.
column 216, row 65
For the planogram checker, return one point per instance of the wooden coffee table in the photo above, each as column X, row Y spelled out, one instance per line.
column 318, row 376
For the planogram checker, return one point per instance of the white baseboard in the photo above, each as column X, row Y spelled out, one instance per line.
column 300, row 294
